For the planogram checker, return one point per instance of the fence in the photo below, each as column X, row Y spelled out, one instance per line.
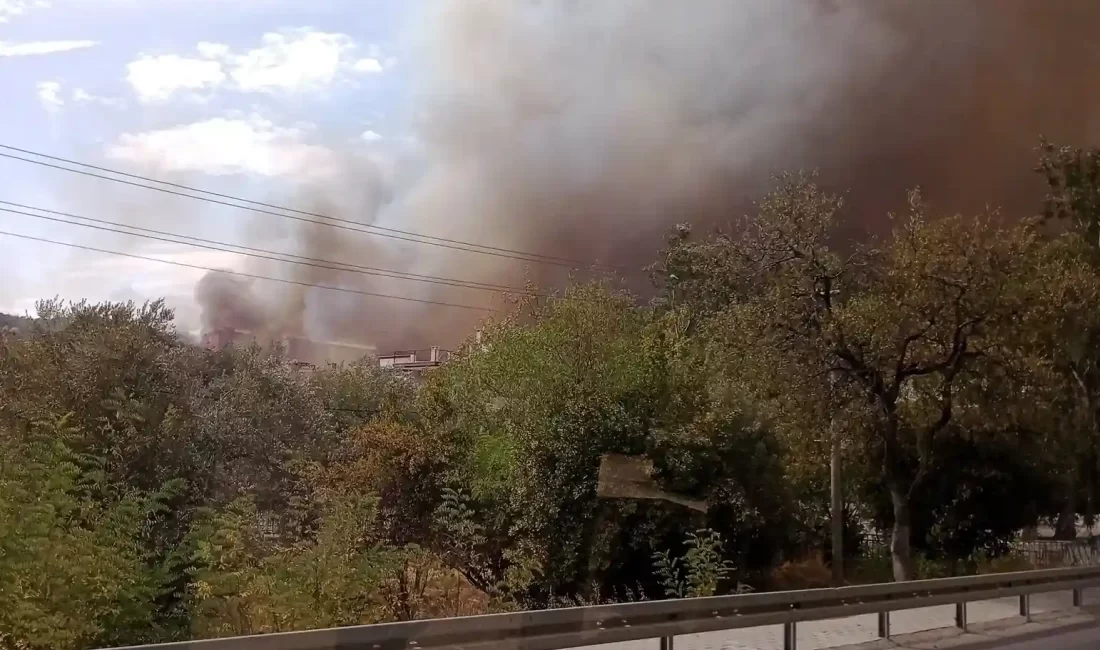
column 1046, row 553
column 1040, row 553
column 666, row 619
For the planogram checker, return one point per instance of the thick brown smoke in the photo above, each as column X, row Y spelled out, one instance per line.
column 584, row 128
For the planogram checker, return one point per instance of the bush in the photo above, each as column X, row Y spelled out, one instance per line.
column 247, row 582
column 808, row 573
column 1004, row 564
column 75, row 566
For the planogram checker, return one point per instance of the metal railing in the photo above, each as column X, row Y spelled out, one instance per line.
column 1048, row 552
column 664, row 620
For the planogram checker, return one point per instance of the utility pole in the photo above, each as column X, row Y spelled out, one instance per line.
column 836, row 499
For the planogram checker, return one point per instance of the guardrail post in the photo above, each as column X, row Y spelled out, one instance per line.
column 960, row 616
column 666, row 643
column 1078, row 597
column 1025, row 607
column 884, row 625
column 790, row 636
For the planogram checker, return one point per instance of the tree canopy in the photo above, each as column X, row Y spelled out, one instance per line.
column 152, row 490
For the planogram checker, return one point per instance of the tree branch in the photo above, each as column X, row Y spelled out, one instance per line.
column 955, row 358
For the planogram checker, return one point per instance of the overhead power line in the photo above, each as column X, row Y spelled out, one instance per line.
column 259, row 253
column 253, row 276
column 266, row 208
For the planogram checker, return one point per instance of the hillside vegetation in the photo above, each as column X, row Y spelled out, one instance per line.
column 151, row 490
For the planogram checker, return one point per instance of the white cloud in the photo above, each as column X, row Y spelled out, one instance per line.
column 226, row 146
column 33, row 48
column 12, row 8
column 294, row 61
column 157, row 78
column 371, row 136
column 49, row 95
column 213, row 50
column 82, row 96
column 291, row 61
column 369, row 64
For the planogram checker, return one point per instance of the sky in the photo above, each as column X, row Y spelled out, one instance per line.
column 256, row 98
column 577, row 129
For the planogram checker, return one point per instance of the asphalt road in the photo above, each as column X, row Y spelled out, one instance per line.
column 1080, row 640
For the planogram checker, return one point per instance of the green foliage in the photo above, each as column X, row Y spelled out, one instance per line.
column 959, row 515
column 247, row 581
column 699, row 571
column 1073, row 178
column 117, row 369
column 198, row 493
column 742, row 472
column 530, row 413
column 528, row 418
column 265, row 422
column 216, row 426
column 358, row 393
column 1073, row 199
column 75, row 566
column 885, row 347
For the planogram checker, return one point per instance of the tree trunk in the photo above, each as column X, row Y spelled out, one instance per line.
column 901, row 556
column 1066, row 526
column 836, row 502
column 1090, row 485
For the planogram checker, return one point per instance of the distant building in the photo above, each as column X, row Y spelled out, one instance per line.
column 226, row 336
column 305, row 352
column 301, row 350
column 415, row 361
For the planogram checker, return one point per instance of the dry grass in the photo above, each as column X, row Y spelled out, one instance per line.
column 1007, row 564
column 808, row 573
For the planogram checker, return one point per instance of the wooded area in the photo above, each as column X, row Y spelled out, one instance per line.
column 152, row 490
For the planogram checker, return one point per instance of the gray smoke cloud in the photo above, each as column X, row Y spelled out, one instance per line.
column 229, row 302
column 583, row 129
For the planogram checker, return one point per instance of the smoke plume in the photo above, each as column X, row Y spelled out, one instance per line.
column 584, row 128
column 229, row 303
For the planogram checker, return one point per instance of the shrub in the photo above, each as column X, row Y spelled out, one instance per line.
column 807, row 573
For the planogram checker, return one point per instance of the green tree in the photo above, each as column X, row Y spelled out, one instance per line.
column 121, row 373
column 880, row 340
column 263, row 422
column 75, row 564
column 228, row 423
column 1073, row 199
column 248, row 581
column 528, row 414
column 1072, row 175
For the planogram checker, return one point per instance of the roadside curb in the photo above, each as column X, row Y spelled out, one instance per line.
column 989, row 635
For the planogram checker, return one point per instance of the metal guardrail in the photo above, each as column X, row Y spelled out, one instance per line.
column 554, row 629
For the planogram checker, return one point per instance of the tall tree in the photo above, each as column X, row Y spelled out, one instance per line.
column 881, row 340
column 1073, row 199
column 532, row 411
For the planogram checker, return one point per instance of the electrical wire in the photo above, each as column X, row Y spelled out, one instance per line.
column 253, row 276
column 259, row 253
column 333, row 222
